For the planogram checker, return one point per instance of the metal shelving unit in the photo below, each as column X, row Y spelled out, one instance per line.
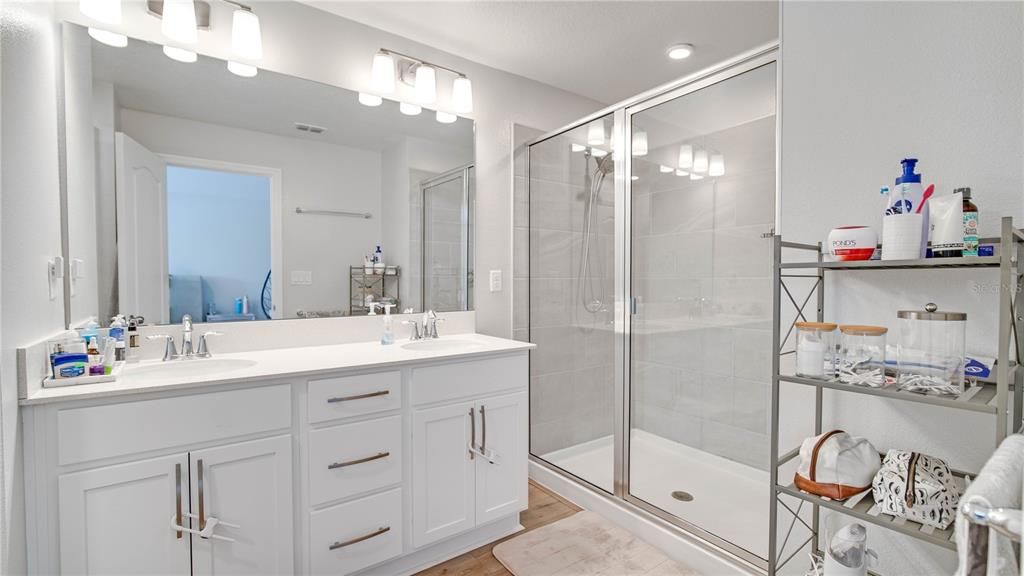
column 990, row 396
column 384, row 284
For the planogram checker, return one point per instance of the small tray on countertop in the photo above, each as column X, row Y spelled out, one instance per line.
column 51, row 382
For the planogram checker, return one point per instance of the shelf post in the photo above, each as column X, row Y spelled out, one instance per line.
column 773, row 468
column 1007, row 286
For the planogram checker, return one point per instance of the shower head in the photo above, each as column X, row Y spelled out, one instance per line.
column 605, row 165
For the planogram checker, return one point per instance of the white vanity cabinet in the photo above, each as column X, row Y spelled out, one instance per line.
column 375, row 471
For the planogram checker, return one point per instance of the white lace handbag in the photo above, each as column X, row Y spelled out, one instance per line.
column 917, row 487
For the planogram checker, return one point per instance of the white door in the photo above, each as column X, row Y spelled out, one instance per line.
column 118, row 519
column 501, row 485
column 442, row 473
column 248, row 484
column 141, row 231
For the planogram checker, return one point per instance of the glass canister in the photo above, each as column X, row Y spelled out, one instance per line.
column 815, row 349
column 930, row 353
column 862, row 355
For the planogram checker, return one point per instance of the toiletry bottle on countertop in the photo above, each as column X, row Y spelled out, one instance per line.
column 132, row 352
column 378, row 256
column 970, row 223
column 117, row 326
column 388, row 335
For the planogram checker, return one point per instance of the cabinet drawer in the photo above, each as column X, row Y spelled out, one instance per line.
column 462, row 379
column 109, row 430
column 334, row 398
column 354, row 458
column 354, row 535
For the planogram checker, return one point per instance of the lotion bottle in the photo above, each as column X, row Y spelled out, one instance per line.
column 388, row 336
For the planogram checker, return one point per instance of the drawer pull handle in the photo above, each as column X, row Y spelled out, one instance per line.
column 358, row 396
column 377, row 456
column 373, row 534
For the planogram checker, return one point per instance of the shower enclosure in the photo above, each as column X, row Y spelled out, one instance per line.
column 650, row 301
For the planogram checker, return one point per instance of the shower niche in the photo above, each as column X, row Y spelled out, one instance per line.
column 648, row 295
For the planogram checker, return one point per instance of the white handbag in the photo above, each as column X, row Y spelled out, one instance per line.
column 836, row 465
column 917, row 487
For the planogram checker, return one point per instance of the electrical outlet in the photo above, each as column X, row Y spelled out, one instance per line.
column 302, row 277
column 495, row 279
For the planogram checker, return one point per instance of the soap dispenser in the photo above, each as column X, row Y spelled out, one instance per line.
column 388, row 336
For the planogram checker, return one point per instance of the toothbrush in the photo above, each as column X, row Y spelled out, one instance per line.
column 924, row 197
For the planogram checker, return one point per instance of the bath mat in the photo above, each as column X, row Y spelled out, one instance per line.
column 584, row 544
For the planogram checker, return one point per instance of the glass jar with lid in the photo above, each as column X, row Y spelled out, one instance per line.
column 815, row 349
column 930, row 354
column 862, row 355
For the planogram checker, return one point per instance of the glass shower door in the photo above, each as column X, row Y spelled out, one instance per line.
column 571, row 301
column 702, row 199
column 447, row 272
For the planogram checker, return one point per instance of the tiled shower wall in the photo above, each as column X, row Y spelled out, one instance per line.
column 571, row 371
column 701, row 343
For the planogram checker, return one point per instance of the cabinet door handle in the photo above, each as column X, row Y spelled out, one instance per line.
column 377, row 456
column 483, row 428
column 202, row 496
column 472, row 432
column 177, row 498
column 358, row 396
column 373, row 534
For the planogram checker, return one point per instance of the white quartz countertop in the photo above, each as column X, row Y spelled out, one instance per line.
column 279, row 363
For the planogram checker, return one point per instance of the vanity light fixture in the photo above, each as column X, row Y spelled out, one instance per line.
column 686, row 156
column 370, row 99
column 446, row 117
column 179, row 21
column 243, row 70
column 700, row 161
column 681, row 172
column 716, row 167
column 665, row 169
column 640, row 143
column 382, row 76
column 679, row 51
column 180, row 54
column 577, row 147
column 246, row 38
column 426, row 84
column 107, row 12
column 409, row 109
column 696, row 176
column 595, row 133
column 598, row 153
column 462, row 95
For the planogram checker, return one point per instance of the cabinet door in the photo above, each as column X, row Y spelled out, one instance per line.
column 117, row 519
column 501, row 485
column 248, row 484
column 442, row 473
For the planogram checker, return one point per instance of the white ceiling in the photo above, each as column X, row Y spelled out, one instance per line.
column 146, row 80
column 604, row 50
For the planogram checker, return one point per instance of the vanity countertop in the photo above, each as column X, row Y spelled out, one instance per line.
column 311, row 361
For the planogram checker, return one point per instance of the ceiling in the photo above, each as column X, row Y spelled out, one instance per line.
column 146, row 80
column 604, row 50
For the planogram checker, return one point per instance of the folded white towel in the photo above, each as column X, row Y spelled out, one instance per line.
column 998, row 485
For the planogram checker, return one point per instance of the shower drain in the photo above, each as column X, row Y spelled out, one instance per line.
column 682, row 496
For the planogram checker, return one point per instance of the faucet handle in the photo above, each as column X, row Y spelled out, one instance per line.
column 204, row 350
column 414, row 334
column 170, row 352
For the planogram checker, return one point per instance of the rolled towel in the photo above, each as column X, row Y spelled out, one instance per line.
column 983, row 551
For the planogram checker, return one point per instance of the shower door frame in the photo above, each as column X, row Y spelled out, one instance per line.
column 625, row 304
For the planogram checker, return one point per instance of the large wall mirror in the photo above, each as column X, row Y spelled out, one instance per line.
column 192, row 190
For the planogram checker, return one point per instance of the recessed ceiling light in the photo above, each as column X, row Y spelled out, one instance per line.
column 679, row 51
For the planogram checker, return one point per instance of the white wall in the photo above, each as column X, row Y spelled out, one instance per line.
column 306, row 42
column 313, row 175
column 866, row 84
column 29, row 232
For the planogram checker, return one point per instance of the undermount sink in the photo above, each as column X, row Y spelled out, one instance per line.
column 441, row 345
column 187, row 368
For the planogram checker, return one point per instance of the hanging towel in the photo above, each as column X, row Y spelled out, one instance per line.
column 983, row 551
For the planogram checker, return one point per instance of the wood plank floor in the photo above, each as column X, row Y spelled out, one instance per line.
column 545, row 507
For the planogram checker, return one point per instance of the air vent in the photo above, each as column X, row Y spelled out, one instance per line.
column 311, row 128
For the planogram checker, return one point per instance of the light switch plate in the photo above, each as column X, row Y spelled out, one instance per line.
column 302, row 277
column 495, row 279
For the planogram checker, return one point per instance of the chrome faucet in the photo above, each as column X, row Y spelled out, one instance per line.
column 186, row 336
column 414, row 331
column 430, row 324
